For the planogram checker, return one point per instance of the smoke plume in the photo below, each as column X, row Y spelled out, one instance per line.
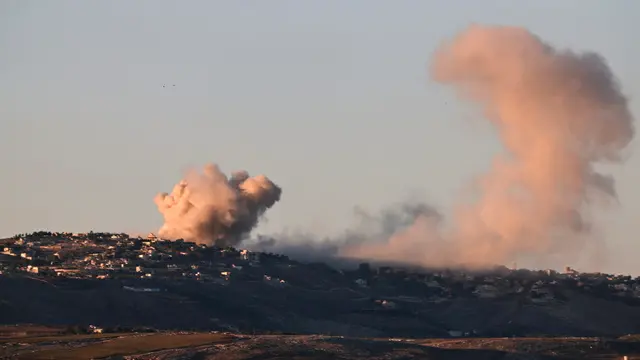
column 367, row 240
column 209, row 208
column 557, row 113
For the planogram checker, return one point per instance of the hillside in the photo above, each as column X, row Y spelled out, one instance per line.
column 114, row 282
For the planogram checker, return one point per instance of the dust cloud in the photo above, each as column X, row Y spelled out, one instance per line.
column 209, row 208
column 557, row 114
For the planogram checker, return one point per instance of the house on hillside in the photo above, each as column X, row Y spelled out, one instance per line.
column 486, row 291
column 361, row 282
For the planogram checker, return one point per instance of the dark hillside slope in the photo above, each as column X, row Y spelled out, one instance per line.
column 256, row 307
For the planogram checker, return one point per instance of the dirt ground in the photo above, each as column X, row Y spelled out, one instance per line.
column 39, row 343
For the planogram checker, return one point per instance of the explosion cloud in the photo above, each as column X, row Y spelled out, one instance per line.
column 557, row 114
column 209, row 208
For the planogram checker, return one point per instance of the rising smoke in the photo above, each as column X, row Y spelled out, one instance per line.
column 557, row 113
column 369, row 233
column 209, row 208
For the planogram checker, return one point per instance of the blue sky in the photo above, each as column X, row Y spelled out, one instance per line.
column 330, row 99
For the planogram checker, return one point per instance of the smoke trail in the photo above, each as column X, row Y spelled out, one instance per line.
column 557, row 113
column 208, row 208
column 368, row 230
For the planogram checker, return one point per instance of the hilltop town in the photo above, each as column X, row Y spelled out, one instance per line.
column 65, row 278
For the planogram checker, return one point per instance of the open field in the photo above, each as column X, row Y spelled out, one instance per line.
column 124, row 345
column 28, row 330
column 35, row 342
column 202, row 346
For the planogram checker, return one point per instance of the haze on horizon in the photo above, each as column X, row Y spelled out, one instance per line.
column 331, row 101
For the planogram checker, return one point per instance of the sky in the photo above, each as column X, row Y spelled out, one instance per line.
column 330, row 99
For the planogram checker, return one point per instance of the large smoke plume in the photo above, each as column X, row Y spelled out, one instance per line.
column 209, row 208
column 557, row 114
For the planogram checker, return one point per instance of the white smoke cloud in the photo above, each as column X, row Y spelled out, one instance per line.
column 209, row 208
